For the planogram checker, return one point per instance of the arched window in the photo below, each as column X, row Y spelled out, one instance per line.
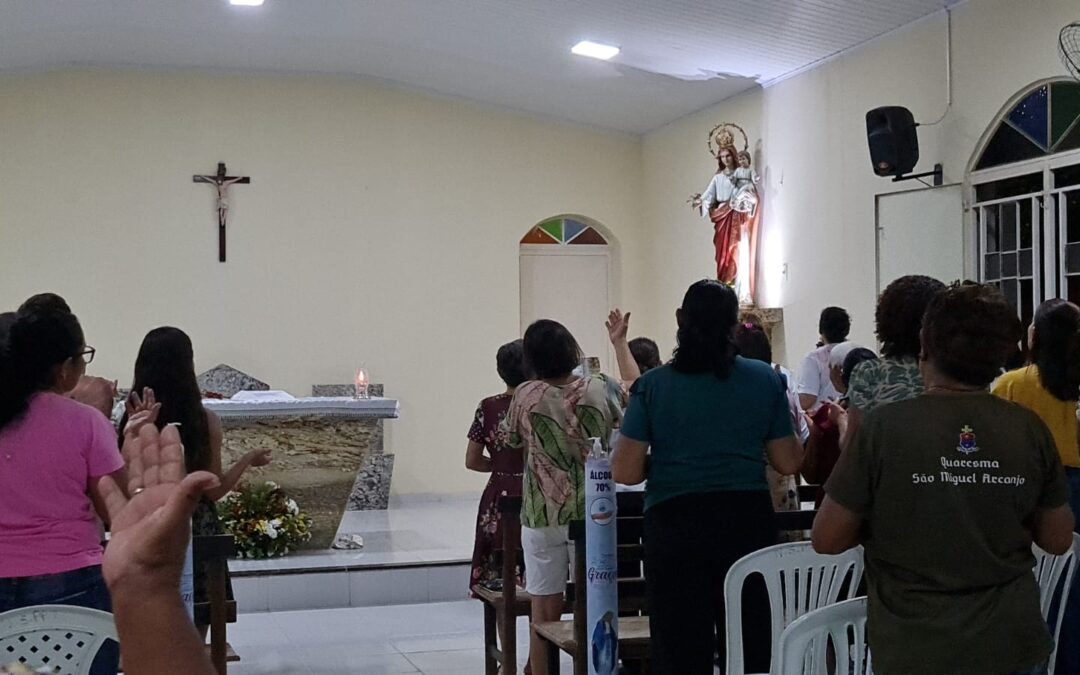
column 564, row 232
column 1025, row 189
column 1045, row 121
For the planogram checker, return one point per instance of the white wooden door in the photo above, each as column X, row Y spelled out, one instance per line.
column 570, row 285
column 920, row 232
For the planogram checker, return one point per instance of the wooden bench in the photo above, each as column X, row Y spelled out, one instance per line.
column 215, row 551
column 572, row 636
column 502, row 608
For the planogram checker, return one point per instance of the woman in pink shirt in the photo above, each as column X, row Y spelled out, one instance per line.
column 54, row 452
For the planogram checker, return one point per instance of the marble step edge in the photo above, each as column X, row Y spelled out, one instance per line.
column 361, row 588
column 244, row 568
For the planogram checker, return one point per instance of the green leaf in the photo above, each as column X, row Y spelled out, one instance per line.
column 534, row 511
column 591, row 423
column 553, row 441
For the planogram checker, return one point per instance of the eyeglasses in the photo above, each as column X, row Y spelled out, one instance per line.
column 87, row 354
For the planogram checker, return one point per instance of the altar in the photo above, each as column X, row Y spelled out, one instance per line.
column 328, row 452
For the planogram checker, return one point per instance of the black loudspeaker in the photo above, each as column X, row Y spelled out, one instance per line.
column 894, row 145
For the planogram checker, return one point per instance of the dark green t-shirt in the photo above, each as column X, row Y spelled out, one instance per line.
column 707, row 434
column 948, row 486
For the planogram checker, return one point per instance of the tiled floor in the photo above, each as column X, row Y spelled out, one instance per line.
column 434, row 639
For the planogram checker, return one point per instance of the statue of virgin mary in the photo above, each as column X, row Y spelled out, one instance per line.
column 730, row 201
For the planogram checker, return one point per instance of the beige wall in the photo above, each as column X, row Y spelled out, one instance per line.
column 380, row 225
column 819, row 189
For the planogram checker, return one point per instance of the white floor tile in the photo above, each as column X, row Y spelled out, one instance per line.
column 347, row 660
column 439, row 643
column 256, row 632
column 461, row 659
column 432, row 638
column 270, row 662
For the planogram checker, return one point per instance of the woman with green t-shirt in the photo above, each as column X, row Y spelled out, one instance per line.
column 711, row 417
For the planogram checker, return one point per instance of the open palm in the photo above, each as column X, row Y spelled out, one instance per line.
column 618, row 325
column 151, row 529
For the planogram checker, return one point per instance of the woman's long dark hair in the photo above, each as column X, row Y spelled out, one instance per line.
column 166, row 364
column 1055, row 348
column 709, row 312
column 38, row 341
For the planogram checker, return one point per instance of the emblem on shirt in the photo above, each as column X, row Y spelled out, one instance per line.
column 968, row 443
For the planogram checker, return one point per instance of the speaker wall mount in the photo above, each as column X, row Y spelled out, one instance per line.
column 894, row 145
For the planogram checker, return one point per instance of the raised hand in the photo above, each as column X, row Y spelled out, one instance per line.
column 96, row 392
column 150, row 531
column 136, row 404
column 259, row 457
column 618, row 325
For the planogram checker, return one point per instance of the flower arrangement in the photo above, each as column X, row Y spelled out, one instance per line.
column 264, row 521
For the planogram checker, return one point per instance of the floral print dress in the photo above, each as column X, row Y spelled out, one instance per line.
column 507, row 469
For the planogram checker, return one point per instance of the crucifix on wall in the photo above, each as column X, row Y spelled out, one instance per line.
column 222, row 183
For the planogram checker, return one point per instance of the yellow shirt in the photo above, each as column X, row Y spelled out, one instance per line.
column 1023, row 386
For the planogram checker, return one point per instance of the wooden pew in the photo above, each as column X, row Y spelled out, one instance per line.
column 794, row 521
column 215, row 551
column 502, row 608
column 572, row 637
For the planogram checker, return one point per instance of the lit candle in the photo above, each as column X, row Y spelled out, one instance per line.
column 361, row 383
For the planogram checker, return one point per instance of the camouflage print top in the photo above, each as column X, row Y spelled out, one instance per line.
column 553, row 424
column 886, row 380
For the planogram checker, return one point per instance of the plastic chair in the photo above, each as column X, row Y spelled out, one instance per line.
column 1048, row 572
column 62, row 638
column 804, row 645
column 798, row 581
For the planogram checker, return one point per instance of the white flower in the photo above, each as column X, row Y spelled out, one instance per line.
column 271, row 484
column 271, row 531
column 292, row 507
column 276, row 522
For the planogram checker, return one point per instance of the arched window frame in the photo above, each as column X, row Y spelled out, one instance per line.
column 565, row 231
column 1007, row 196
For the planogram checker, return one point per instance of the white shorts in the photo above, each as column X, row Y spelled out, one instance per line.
column 549, row 554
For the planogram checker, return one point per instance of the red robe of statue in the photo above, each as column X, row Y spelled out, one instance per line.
column 727, row 231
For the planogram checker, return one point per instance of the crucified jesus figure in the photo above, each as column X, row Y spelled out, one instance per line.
column 221, row 184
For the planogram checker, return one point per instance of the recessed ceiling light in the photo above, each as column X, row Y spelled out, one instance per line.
column 594, row 50
column 246, row 3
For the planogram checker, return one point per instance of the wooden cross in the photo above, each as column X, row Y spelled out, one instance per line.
column 222, row 183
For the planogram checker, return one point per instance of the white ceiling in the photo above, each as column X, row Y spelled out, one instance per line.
column 678, row 55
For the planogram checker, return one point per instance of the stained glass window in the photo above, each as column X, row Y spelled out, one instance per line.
column 1045, row 121
column 564, row 232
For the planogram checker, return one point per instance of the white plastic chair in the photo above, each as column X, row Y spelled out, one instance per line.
column 804, row 645
column 1048, row 572
column 798, row 581
column 62, row 638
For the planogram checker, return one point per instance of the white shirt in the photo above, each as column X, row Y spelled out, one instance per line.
column 720, row 189
column 814, row 377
